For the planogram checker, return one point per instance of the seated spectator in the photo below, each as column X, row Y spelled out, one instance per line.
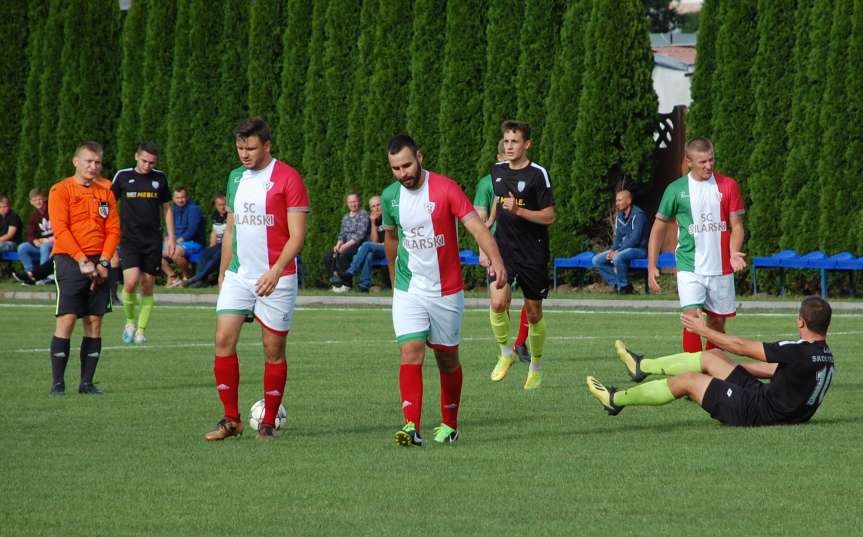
column 353, row 232
column 10, row 227
column 630, row 242
column 212, row 255
column 40, row 236
column 188, row 233
column 41, row 275
column 369, row 251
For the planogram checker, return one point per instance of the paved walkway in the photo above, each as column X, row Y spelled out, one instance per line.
column 551, row 304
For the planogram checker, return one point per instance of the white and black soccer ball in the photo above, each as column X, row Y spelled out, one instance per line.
column 256, row 415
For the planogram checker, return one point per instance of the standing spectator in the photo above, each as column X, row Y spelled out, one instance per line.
column 85, row 218
column 353, row 232
column 212, row 254
column 189, row 233
column 368, row 252
column 40, row 237
column 265, row 230
column 630, row 242
column 10, row 227
column 143, row 193
column 708, row 209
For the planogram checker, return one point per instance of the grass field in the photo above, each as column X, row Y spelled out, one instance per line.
column 547, row 462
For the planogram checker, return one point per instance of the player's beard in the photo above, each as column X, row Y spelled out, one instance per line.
column 412, row 182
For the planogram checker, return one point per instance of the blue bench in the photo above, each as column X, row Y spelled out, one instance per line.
column 584, row 260
column 781, row 261
column 817, row 260
column 467, row 257
column 9, row 256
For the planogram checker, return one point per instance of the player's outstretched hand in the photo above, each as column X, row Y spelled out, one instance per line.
column 738, row 261
column 653, row 279
column 266, row 284
column 694, row 323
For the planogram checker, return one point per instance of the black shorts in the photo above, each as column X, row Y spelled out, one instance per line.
column 147, row 257
column 74, row 295
column 532, row 278
column 739, row 400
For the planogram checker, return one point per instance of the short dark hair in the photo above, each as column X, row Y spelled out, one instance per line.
column 254, row 126
column 220, row 196
column 699, row 145
column 95, row 147
column 816, row 313
column 181, row 188
column 148, row 147
column 399, row 142
column 517, row 126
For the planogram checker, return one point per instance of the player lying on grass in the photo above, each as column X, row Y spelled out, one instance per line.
column 800, row 373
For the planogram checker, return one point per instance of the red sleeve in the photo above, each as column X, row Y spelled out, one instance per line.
column 459, row 203
column 296, row 195
column 735, row 200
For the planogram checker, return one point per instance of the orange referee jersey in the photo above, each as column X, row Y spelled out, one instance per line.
column 84, row 219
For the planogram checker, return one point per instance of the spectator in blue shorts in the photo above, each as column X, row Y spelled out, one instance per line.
column 630, row 242
column 368, row 252
column 40, row 237
column 188, row 232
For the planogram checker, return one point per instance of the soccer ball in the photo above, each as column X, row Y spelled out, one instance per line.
column 256, row 415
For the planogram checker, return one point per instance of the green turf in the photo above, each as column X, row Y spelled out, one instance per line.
column 547, row 462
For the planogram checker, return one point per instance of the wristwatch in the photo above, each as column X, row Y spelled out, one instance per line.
column 105, row 263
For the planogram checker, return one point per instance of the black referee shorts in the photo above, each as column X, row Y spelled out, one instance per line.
column 147, row 257
column 74, row 296
column 738, row 400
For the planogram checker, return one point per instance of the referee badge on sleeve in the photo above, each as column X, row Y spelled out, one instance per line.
column 103, row 209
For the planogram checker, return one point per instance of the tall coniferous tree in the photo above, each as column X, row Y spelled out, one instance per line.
column 27, row 160
column 699, row 120
column 537, row 43
column 734, row 108
column 133, row 40
column 772, row 78
column 614, row 135
column 855, row 127
column 460, row 100
column 14, row 26
column 834, row 233
column 800, row 193
column 178, row 125
column 233, row 87
column 562, row 117
column 264, row 56
column 158, row 56
column 424, row 91
column 295, row 65
column 356, row 144
column 49, row 91
column 499, row 100
column 90, row 65
column 387, row 100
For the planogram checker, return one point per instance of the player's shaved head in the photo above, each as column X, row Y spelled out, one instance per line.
column 93, row 147
column 816, row 313
column 699, row 145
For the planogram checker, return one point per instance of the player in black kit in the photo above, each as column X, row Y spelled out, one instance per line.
column 800, row 371
column 524, row 210
column 142, row 193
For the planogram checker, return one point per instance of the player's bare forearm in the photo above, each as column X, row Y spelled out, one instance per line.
column 734, row 344
column 169, row 222
column 488, row 246
column 297, row 229
column 391, row 247
column 654, row 244
column 227, row 246
column 546, row 216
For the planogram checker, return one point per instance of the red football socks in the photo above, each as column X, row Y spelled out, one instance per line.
column 275, row 375
column 227, row 371
column 450, row 396
column 691, row 341
column 522, row 330
column 411, row 387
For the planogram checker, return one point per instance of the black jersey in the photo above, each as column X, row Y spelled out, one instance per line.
column 140, row 198
column 520, row 239
column 803, row 375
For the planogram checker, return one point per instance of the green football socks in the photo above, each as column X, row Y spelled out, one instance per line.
column 147, row 303
column 500, row 328
column 674, row 364
column 653, row 393
column 130, row 300
column 536, row 343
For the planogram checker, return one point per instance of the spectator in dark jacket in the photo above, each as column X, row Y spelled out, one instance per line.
column 212, row 255
column 40, row 236
column 10, row 227
column 189, row 236
column 630, row 242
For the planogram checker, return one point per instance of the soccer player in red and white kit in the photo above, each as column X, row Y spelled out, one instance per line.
column 420, row 210
column 265, row 230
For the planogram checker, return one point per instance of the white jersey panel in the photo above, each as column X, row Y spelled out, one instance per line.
column 705, row 202
column 419, row 240
column 250, row 221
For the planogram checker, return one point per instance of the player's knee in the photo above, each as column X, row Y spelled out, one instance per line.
column 498, row 305
column 534, row 317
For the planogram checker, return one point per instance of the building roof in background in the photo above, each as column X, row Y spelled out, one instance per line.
column 673, row 39
column 685, row 55
column 687, row 6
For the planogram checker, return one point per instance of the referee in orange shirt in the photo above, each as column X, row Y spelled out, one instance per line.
column 86, row 227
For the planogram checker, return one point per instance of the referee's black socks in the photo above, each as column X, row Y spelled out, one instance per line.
column 91, row 348
column 59, row 358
